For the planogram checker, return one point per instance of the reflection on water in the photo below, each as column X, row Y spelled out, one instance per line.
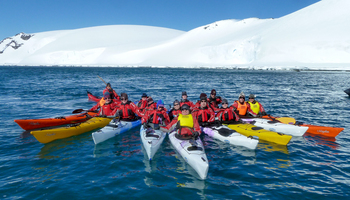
column 272, row 147
column 320, row 140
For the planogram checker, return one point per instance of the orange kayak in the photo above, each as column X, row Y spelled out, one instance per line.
column 30, row 124
column 323, row 130
column 313, row 129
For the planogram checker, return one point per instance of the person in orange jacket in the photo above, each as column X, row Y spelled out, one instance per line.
column 242, row 107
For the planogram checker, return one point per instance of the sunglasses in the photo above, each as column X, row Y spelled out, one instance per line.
column 251, row 98
column 107, row 98
column 224, row 103
column 185, row 109
column 203, row 101
column 242, row 97
column 176, row 104
column 123, row 99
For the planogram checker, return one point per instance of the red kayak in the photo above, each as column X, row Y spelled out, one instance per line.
column 30, row 124
column 93, row 97
column 313, row 129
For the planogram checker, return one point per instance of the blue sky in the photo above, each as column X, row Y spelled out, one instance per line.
column 32, row 16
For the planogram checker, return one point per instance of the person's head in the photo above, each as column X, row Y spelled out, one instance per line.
column 109, row 86
column 185, row 109
column 203, row 99
column 176, row 105
column 241, row 97
column 251, row 97
column 213, row 93
column 184, row 95
column 224, row 103
column 123, row 97
column 150, row 100
column 107, row 96
column 160, row 104
column 144, row 96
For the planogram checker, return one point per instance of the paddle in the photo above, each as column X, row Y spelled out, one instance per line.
column 284, row 120
column 102, row 79
column 82, row 110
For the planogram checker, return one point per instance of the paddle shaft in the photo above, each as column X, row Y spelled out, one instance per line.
column 102, row 79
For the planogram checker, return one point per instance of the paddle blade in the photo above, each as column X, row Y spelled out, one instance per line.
column 77, row 111
column 286, row 120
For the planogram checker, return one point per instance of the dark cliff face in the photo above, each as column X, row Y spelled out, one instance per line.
column 14, row 42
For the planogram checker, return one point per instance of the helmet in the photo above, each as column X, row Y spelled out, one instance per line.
column 251, row 96
column 185, row 107
column 106, row 94
column 160, row 103
column 176, row 102
column 203, row 96
column 124, row 95
column 224, row 101
column 241, row 95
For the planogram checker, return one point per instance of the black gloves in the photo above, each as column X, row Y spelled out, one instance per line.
column 195, row 134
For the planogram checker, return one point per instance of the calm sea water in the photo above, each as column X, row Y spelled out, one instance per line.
column 309, row 167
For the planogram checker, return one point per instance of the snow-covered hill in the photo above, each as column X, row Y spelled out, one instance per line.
column 316, row 37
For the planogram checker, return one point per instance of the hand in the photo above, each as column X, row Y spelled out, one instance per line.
column 263, row 113
column 195, row 134
column 144, row 126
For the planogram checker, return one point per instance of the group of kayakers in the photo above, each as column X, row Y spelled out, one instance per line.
column 185, row 116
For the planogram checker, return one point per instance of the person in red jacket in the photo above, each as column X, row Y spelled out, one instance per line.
column 175, row 111
column 143, row 103
column 184, row 100
column 214, row 100
column 110, row 90
column 127, row 110
column 186, row 124
column 151, row 105
column 227, row 114
column 242, row 107
column 107, row 107
column 204, row 114
column 157, row 116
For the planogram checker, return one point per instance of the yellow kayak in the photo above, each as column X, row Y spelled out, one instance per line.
column 251, row 130
column 49, row 135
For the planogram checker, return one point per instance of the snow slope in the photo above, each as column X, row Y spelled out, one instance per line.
column 316, row 37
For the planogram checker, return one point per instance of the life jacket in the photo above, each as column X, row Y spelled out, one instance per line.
column 156, row 117
column 187, row 102
column 126, row 111
column 242, row 109
column 185, row 125
column 203, row 114
column 185, row 120
column 255, row 107
column 142, row 104
column 102, row 102
column 106, row 109
column 227, row 115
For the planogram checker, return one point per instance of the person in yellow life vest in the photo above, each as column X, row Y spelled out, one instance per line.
column 241, row 107
column 256, row 107
column 185, row 123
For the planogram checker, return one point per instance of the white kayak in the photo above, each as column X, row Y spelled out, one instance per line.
column 114, row 128
column 276, row 126
column 192, row 151
column 225, row 134
column 151, row 140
